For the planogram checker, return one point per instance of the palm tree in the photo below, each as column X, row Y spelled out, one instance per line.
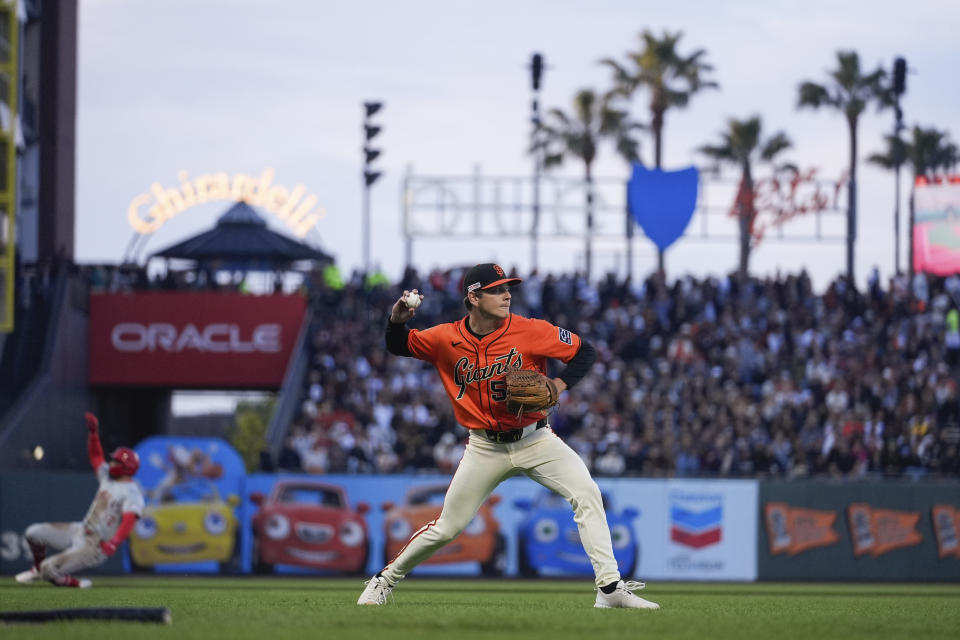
column 671, row 78
column 947, row 156
column 927, row 152
column 579, row 134
column 741, row 145
column 849, row 91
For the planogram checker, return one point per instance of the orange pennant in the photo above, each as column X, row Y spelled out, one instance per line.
column 811, row 528
column 895, row 530
column 946, row 522
column 793, row 530
column 777, row 516
column 860, row 520
column 879, row 531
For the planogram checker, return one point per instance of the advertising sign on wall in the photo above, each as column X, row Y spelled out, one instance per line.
column 198, row 339
column 936, row 236
column 213, row 518
column 818, row 531
column 660, row 529
column 193, row 489
column 698, row 530
column 204, row 515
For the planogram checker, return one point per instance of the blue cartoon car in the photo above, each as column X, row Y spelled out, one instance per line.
column 549, row 543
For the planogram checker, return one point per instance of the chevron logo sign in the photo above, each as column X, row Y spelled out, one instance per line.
column 696, row 520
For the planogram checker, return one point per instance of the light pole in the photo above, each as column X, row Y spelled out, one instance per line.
column 536, row 70
column 369, row 175
column 899, row 88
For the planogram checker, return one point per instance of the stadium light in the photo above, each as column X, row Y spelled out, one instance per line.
column 536, row 77
column 370, row 154
column 372, row 107
column 899, row 88
column 370, row 174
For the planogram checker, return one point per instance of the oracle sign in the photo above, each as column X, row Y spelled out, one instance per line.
column 218, row 337
column 206, row 340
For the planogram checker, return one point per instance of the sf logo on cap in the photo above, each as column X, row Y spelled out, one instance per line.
column 499, row 270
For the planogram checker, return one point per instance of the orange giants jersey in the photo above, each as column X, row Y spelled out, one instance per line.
column 472, row 369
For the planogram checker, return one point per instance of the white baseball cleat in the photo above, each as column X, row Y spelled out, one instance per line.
column 624, row 598
column 376, row 591
column 28, row 576
column 72, row 583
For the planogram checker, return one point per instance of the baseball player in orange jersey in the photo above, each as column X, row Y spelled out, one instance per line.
column 472, row 355
column 108, row 522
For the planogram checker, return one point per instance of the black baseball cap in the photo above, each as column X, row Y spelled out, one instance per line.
column 485, row 276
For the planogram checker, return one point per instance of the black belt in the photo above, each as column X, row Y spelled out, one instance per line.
column 512, row 435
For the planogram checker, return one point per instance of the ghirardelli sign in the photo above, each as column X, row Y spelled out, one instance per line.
column 774, row 201
column 194, row 340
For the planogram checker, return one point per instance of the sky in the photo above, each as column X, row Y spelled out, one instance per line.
column 235, row 86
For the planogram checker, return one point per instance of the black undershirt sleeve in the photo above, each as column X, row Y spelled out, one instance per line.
column 579, row 365
column 397, row 339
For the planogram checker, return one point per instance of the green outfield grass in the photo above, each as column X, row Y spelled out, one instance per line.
column 324, row 608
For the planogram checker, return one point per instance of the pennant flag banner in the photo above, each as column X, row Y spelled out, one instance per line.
column 946, row 522
column 879, row 531
column 662, row 202
column 793, row 530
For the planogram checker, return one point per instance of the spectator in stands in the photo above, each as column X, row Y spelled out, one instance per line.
column 726, row 376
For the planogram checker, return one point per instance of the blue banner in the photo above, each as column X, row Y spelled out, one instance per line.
column 662, row 202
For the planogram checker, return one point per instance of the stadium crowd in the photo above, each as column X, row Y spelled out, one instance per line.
column 719, row 377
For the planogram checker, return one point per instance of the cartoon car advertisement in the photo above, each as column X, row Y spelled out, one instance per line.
column 548, row 541
column 480, row 542
column 201, row 527
column 309, row 524
column 192, row 488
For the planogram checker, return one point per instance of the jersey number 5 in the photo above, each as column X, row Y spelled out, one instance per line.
column 498, row 389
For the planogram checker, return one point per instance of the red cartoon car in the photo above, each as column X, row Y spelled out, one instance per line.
column 309, row 524
column 480, row 542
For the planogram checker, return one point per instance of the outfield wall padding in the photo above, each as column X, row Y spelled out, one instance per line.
column 676, row 529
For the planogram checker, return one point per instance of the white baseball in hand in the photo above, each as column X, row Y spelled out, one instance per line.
column 412, row 300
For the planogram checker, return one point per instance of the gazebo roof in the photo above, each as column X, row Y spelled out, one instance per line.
column 242, row 239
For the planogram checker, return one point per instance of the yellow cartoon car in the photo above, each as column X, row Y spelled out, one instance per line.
column 200, row 527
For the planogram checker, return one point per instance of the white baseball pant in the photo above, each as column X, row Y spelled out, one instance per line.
column 78, row 549
column 543, row 457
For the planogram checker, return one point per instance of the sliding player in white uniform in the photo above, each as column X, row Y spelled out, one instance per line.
column 108, row 522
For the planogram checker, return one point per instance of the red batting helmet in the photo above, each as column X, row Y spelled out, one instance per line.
column 127, row 462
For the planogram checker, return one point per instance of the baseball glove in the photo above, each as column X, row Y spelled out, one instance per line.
column 529, row 391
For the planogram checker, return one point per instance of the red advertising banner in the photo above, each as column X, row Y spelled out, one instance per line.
column 192, row 340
